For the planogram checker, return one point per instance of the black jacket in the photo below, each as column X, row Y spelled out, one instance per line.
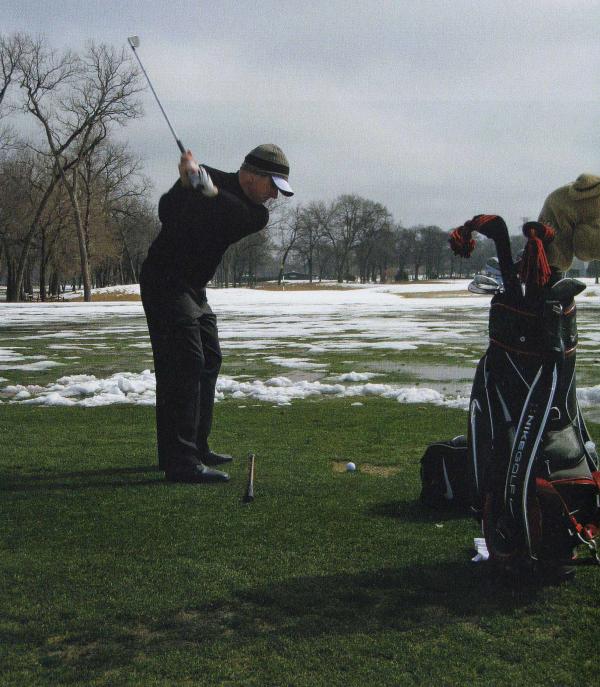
column 196, row 231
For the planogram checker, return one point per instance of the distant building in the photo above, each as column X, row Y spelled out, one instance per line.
column 295, row 276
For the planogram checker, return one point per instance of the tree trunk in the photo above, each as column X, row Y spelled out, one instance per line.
column 43, row 262
column 12, row 294
column 27, row 285
column 81, row 239
column 30, row 234
column 54, row 284
column 282, row 265
column 128, row 254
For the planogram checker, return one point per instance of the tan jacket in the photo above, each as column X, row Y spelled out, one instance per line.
column 574, row 212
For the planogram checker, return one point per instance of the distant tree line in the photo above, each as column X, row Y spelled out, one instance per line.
column 348, row 239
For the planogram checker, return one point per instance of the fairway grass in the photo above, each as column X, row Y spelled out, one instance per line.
column 111, row 576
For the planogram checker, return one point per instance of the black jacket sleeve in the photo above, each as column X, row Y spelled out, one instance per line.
column 171, row 203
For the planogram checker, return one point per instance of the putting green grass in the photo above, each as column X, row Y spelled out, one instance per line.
column 110, row 576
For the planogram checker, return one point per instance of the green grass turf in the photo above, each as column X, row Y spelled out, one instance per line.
column 110, row 576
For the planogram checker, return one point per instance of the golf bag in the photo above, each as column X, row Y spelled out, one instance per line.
column 534, row 470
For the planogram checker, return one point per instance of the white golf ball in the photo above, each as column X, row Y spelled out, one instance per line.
column 350, row 467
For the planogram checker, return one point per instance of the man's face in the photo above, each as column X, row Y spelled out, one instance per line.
column 262, row 188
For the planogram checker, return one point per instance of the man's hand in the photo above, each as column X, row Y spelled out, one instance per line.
column 188, row 167
column 192, row 175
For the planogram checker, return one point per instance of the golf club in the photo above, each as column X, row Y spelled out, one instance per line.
column 483, row 284
column 249, row 495
column 134, row 42
column 494, row 228
column 565, row 290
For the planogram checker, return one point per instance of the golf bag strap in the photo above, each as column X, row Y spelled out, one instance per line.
column 528, row 437
column 586, row 533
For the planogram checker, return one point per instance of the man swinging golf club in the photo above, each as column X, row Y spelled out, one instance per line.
column 200, row 221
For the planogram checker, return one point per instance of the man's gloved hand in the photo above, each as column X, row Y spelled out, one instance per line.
column 192, row 175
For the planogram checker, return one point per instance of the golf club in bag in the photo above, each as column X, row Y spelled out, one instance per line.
column 134, row 42
column 534, row 470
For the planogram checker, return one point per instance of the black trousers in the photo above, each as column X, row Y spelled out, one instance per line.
column 187, row 360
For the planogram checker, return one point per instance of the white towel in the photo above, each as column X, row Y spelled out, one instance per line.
column 481, row 547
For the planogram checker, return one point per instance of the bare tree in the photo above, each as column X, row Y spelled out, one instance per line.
column 348, row 219
column 14, row 210
column 313, row 245
column 289, row 231
column 382, row 255
column 77, row 100
column 403, row 245
column 375, row 222
column 25, row 201
column 243, row 259
column 110, row 184
column 137, row 225
column 11, row 51
column 417, row 252
column 434, row 242
column 56, row 221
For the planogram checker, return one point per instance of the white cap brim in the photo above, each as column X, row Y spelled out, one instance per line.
column 282, row 185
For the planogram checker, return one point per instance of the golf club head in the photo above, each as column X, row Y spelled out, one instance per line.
column 134, row 41
column 492, row 267
column 482, row 284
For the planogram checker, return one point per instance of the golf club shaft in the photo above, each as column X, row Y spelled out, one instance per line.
column 179, row 143
column 249, row 496
column 133, row 40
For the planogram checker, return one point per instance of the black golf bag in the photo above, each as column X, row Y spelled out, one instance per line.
column 534, row 470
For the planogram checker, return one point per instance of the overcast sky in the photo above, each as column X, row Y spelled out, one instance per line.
column 438, row 109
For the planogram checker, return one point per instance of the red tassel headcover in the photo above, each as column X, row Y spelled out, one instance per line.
column 461, row 242
column 535, row 269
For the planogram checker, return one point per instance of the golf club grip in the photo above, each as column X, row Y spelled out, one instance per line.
column 250, row 487
column 193, row 177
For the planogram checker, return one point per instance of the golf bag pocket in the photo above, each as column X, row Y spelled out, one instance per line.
column 445, row 475
column 519, row 330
